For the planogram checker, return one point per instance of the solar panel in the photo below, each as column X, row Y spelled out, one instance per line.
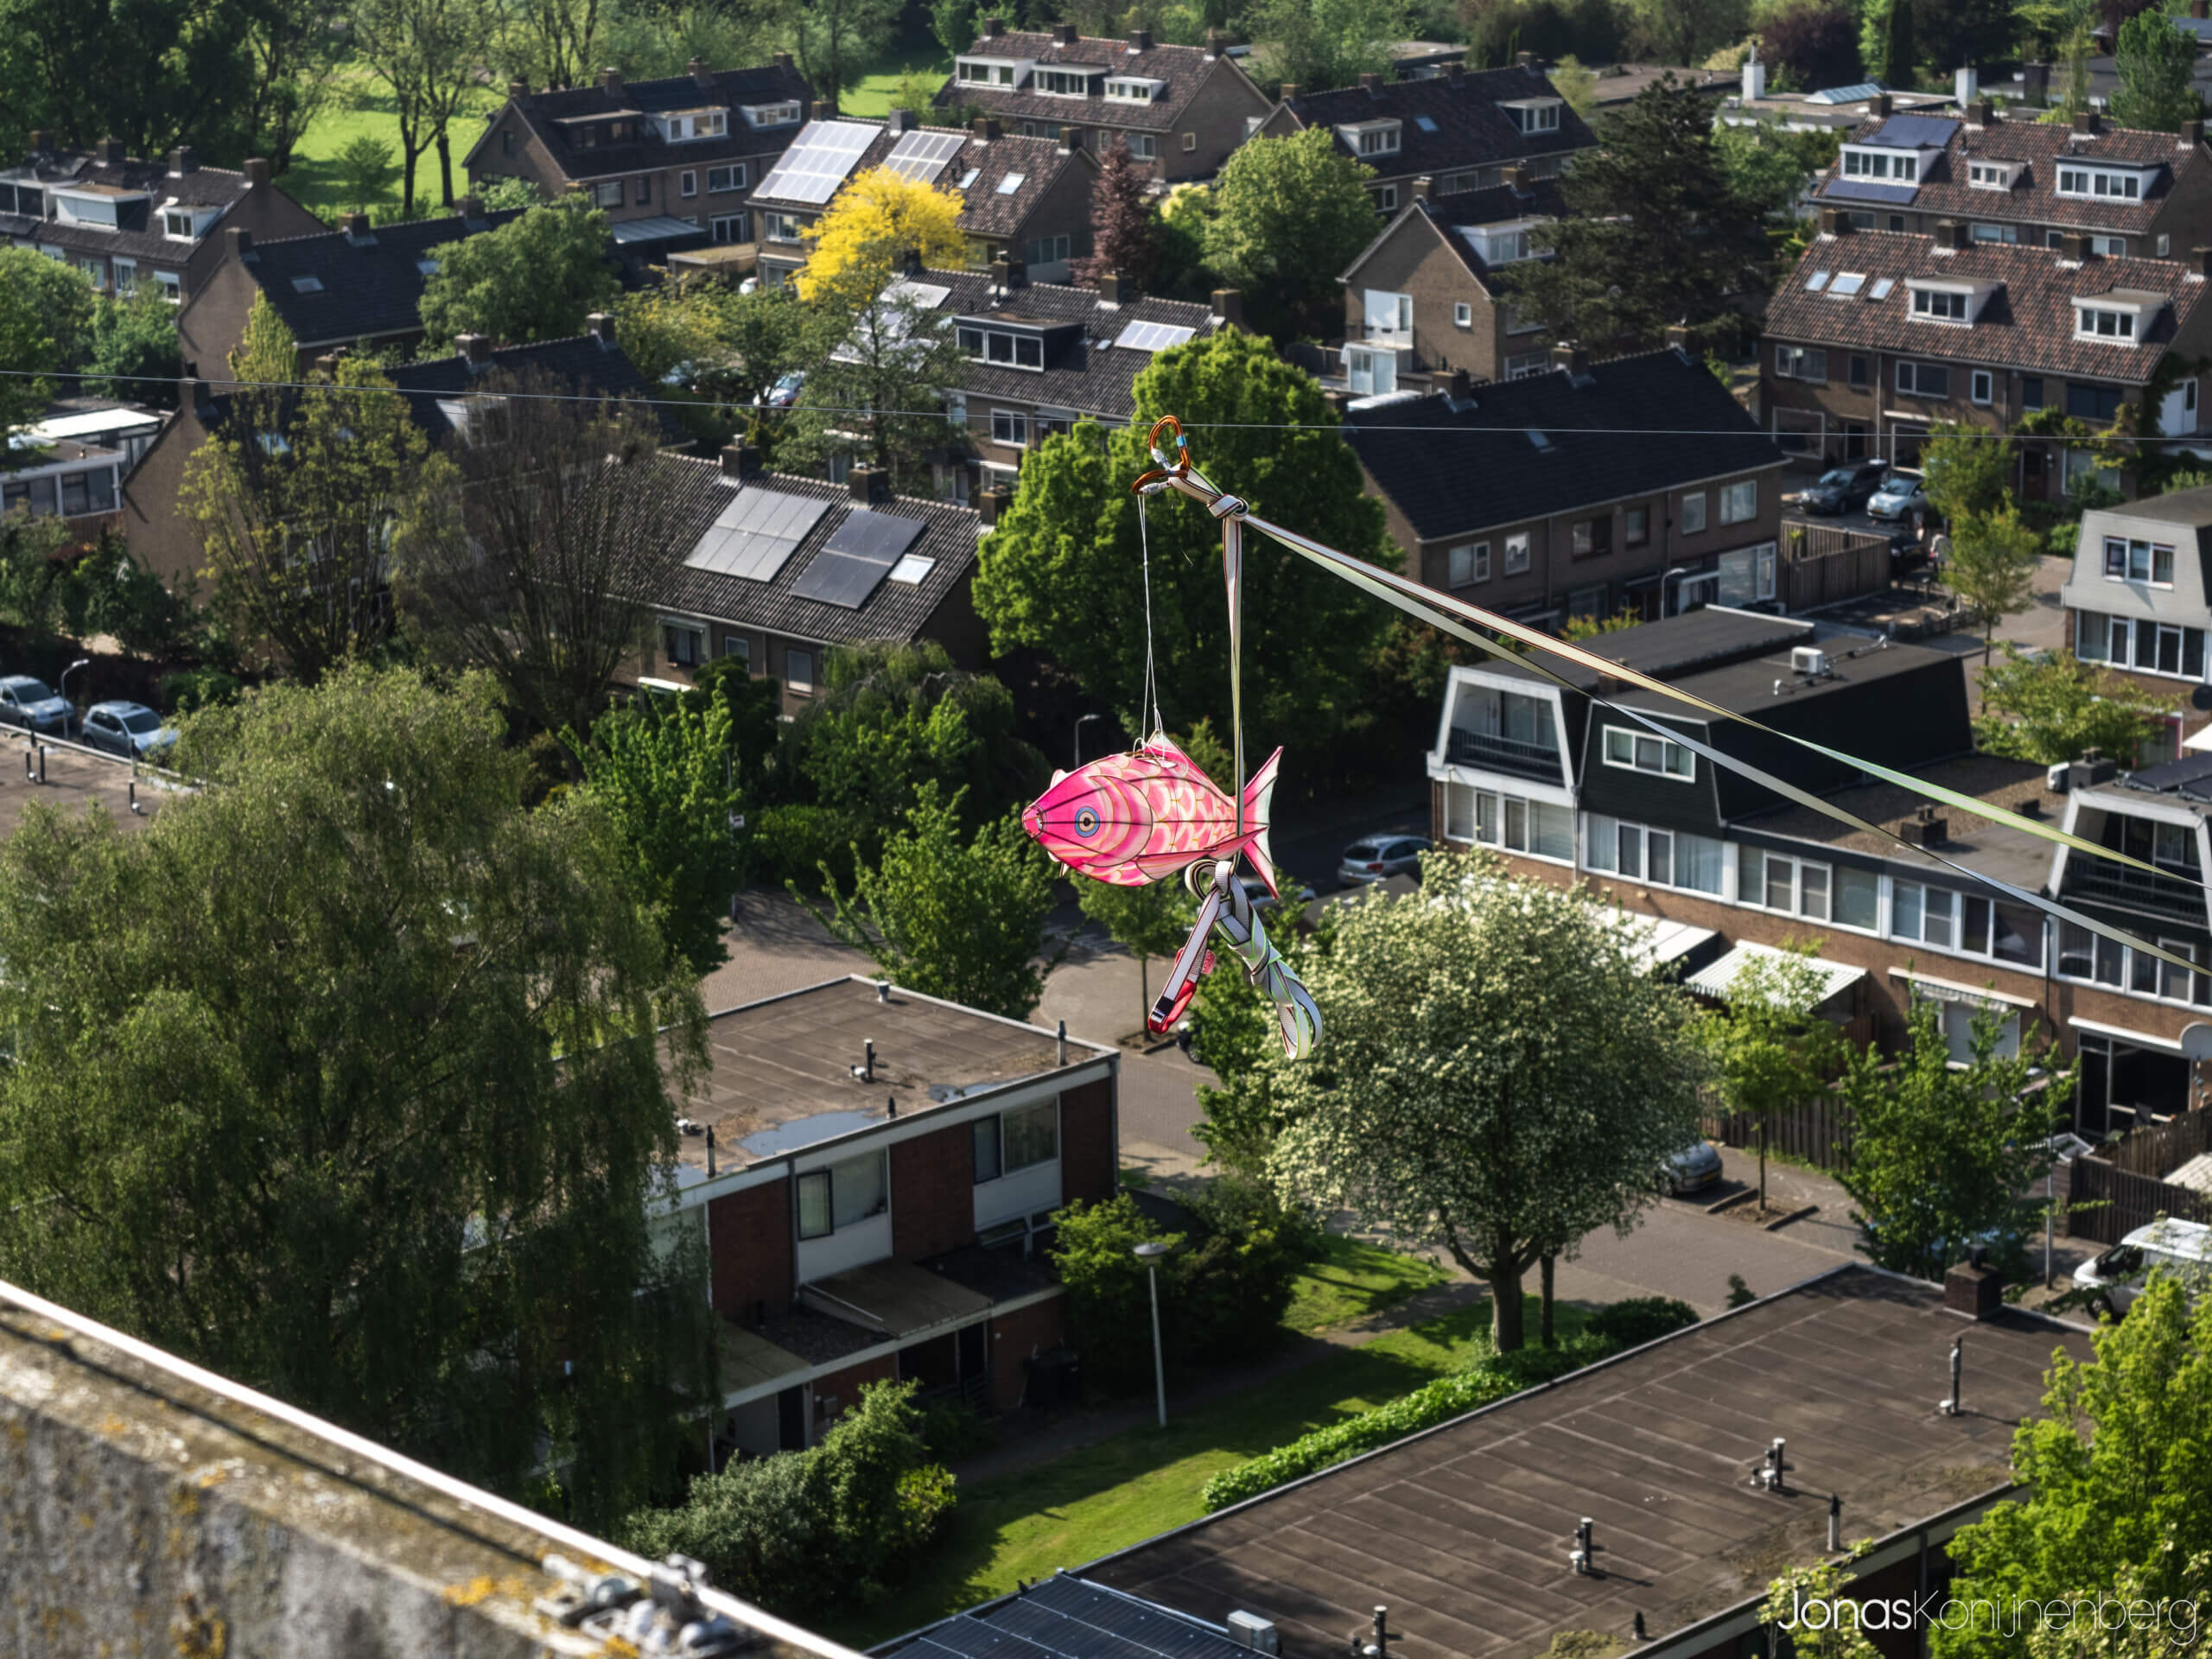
column 1152, row 336
column 857, row 558
column 1916, row 132
column 1857, row 190
column 756, row 533
column 923, row 155
column 818, row 161
column 1857, row 93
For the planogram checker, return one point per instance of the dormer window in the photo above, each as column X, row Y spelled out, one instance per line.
column 1503, row 245
column 1128, row 89
column 687, row 126
column 1063, row 82
column 1533, row 115
column 186, row 224
column 770, row 114
column 2118, row 318
column 1899, row 166
column 1991, row 175
column 2095, row 183
column 992, row 72
column 1943, row 304
column 1371, row 138
column 994, row 346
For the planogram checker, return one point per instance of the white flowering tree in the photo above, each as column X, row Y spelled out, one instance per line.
column 1496, row 1076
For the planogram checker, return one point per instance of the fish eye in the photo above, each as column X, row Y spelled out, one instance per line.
column 1086, row 821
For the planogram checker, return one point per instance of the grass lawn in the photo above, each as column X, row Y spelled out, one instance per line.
column 1144, row 1481
column 1352, row 1280
column 871, row 94
column 360, row 104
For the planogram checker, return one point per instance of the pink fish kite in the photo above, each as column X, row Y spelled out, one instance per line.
column 1130, row 819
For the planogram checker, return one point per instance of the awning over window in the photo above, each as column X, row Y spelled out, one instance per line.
column 1719, row 979
column 1655, row 942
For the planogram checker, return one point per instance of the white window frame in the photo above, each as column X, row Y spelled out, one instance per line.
column 2104, row 324
column 1605, row 839
column 1143, row 146
column 1805, row 875
column 1010, row 427
column 1739, row 501
column 1471, row 557
column 1509, row 822
column 1190, row 143
column 1945, row 305
column 2139, row 562
column 1462, row 313
column 1666, row 758
column 1981, row 387
column 1806, row 363
column 792, row 657
column 687, row 183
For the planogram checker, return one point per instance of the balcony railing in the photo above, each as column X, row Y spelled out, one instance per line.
column 2166, row 897
column 1538, row 762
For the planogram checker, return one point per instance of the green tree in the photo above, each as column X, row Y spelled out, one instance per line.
column 1992, row 566
column 1125, row 229
column 1315, row 44
column 1654, row 233
column 1899, row 64
column 1965, row 469
column 365, row 169
column 133, row 353
column 1067, row 552
column 556, row 43
column 1288, row 215
column 1686, row 32
column 1575, row 81
column 428, row 53
column 153, row 74
column 1147, row 921
column 722, row 348
column 2115, row 1474
column 46, row 311
column 1768, row 165
column 1828, row 1584
column 536, row 278
column 2053, row 708
column 836, row 39
column 2156, row 63
column 1940, row 1153
column 1771, row 1049
column 1497, row 1075
column 293, row 500
column 952, row 24
column 963, row 920
column 1110, row 1303
column 411, row 1230
column 665, row 778
column 2074, row 93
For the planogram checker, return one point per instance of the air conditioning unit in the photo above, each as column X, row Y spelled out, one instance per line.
column 1250, row 1630
column 1809, row 660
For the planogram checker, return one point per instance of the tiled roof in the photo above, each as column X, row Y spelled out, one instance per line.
column 767, row 84
column 1089, row 375
column 700, row 490
column 1465, row 209
column 985, row 209
column 1633, row 426
column 2026, row 323
column 1184, row 68
column 371, row 288
column 581, row 362
column 1472, row 128
column 139, row 236
column 1945, row 191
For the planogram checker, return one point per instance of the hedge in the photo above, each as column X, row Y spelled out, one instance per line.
column 1487, row 1381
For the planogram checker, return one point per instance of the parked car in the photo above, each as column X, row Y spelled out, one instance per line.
column 130, row 729
column 31, row 703
column 2183, row 1249
column 1843, row 489
column 1373, row 857
column 1694, row 1169
column 1295, row 895
column 784, row 392
column 1900, row 496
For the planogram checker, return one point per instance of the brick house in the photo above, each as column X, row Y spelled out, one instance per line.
column 1181, row 108
column 2138, row 601
column 1461, row 130
column 2027, row 182
column 1876, row 334
column 127, row 223
column 1706, row 865
column 874, row 1175
column 1636, row 484
column 1433, row 292
column 1021, row 198
column 671, row 162
column 333, row 289
column 782, row 571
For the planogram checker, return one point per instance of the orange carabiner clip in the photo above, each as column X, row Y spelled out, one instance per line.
column 1167, row 469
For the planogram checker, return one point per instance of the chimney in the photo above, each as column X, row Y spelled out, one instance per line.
column 1525, row 61
column 610, row 81
column 112, row 153
column 1975, row 1288
column 1754, row 82
column 740, row 460
column 1424, row 187
column 700, row 72
column 2035, row 84
column 1515, row 178
column 825, row 109
column 1950, row 235
column 1217, row 43
column 41, row 140
column 1289, row 91
column 476, row 348
column 868, row 486
column 993, row 27
column 1834, row 221
column 2192, row 134
column 257, row 172
column 1457, row 389
column 241, row 243
column 1456, row 70
column 1066, row 35
column 357, row 229
column 2200, row 262
column 600, row 327
column 1879, row 105
column 1983, row 114
column 984, row 128
column 1139, row 40
column 1008, row 273
column 1070, row 140
column 991, row 504
column 781, row 59
column 188, row 393
column 469, row 208
column 1369, row 80
column 900, row 121
column 1109, row 288
column 911, row 260
column 1926, row 828
column 182, row 161
column 2198, row 9
column 327, row 364
column 1678, row 336
column 1229, row 306
column 1568, row 356
column 2074, row 245
column 2085, row 120
column 518, row 91
column 1966, row 85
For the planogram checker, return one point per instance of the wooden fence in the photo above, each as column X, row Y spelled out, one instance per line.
column 1818, row 1133
column 1822, row 564
column 2117, row 1190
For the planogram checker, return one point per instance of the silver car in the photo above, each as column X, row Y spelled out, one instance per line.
column 1901, row 494
column 1372, row 858
column 130, row 729
column 30, row 703
column 1695, row 1167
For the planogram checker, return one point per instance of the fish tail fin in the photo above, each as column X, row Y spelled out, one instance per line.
column 1259, row 795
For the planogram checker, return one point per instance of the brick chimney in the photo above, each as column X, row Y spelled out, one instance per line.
column 182, row 161
column 1229, row 306
column 610, row 81
column 825, row 109
column 2200, row 261
column 1456, row 70
column 2191, row 135
column 993, row 27
column 2198, row 9
column 1568, row 356
column 1070, row 140
column 600, row 327
column 1369, row 80
column 327, row 364
column 258, row 172
column 1008, row 273
column 358, row 231
column 240, row 241
column 900, row 121
column 2074, row 245
column 1139, row 40
column 189, row 390
column 984, row 128
column 1424, row 187
column 1950, row 235
column 1109, row 288
column 1833, row 221
column 476, row 349
column 781, row 59
column 1879, row 105
column 993, row 502
column 1515, row 178
column 1678, row 336
column 868, row 486
column 1982, row 113
column 519, row 92
column 1457, row 388
column 41, row 140
column 1217, row 43
column 1289, row 91
column 1066, row 35
column 1975, row 1288
column 2085, row 121
column 1525, row 61
column 740, row 460
column 469, row 209
column 700, row 72
column 112, row 152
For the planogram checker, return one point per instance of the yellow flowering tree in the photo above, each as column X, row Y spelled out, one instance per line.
column 865, row 237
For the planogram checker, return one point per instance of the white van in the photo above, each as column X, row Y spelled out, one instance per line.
column 2183, row 1249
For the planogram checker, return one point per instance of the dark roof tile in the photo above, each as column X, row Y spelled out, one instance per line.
column 1185, row 69
column 581, row 362
column 1473, row 127
column 370, row 288
column 548, row 114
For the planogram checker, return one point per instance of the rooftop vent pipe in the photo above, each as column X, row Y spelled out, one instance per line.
column 866, row 1070
column 1772, row 1472
column 1580, row 1555
column 1956, row 1404
column 1835, row 1524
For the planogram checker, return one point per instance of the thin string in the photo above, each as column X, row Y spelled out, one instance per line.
column 1148, row 715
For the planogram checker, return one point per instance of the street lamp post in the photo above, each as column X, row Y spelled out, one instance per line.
column 1081, row 722
column 82, row 662
column 1678, row 570
column 1150, row 1253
